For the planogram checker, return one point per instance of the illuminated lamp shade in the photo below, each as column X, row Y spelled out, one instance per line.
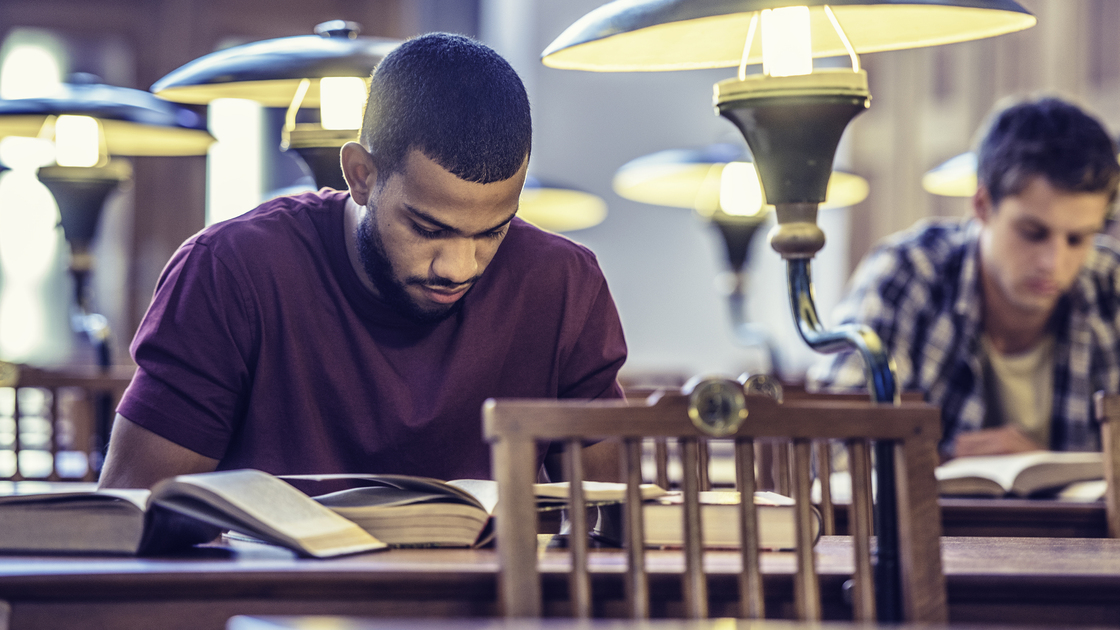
column 329, row 70
column 715, row 178
column 558, row 208
column 792, row 115
column 955, row 177
column 89, row 123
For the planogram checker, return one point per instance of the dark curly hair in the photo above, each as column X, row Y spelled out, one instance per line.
column 457, row 101
column 1051, row 138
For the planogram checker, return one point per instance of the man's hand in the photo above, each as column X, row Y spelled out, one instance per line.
column 997, row 441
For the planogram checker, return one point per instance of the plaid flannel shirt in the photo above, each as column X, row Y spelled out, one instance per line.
column 920, row 291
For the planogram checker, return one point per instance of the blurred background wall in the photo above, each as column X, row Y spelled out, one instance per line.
column 664, row 265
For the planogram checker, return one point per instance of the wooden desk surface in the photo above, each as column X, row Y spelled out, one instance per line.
column 990, row 580
column 1013, row 518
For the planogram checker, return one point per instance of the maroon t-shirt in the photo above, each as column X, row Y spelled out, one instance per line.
column 262, row 348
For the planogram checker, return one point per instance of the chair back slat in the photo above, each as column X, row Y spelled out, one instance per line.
column 919, row 523
column 514, row 461
column 807, row 594
column 863, row 589
column 579, row 579
column 705, row 453
column 824, row 474
column 782, row 468
column 637, row 582
column 661, row 462
column 695, row 584
column 752, row 605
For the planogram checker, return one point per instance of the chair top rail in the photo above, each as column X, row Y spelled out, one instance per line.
column 116, row 377
column 665, row 416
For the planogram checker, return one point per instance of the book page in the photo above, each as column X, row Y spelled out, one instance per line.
column 596, row 491
column 266, row 507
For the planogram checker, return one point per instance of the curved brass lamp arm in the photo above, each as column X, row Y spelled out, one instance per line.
column 880, row 369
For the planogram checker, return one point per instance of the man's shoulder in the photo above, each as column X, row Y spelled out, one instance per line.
column 937, row 236
column 528, row 246
column 929, row 248
column 272, row 222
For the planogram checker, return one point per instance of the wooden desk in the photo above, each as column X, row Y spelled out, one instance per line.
column 1013, row 518
column 372, row 623
column 990, row 580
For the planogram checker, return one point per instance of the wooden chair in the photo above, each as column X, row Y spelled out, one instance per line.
column 71, row 397
column 514, row 426
column 1107, row 408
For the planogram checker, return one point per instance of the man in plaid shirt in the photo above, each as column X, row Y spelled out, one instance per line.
column 1009, row 321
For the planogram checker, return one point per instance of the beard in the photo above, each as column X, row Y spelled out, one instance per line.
column 371, row 251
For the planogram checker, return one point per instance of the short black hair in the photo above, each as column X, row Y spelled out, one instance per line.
column 1051, row 138
column 457, row 101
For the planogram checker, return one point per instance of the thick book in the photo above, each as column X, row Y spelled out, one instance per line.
column 314, row 515
column 176, row 514
column 719, row 521
column 1021, row 474
column 409, row 511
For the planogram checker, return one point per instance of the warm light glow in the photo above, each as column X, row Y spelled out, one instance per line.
column 739, row 191
column 77, row 141
column 341, row 102
column 234, row 171
column 29, row 71
column 20, row 153
column 787, row 49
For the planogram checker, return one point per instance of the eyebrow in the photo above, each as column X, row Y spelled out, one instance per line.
column 454, row 230
column 1032, row 222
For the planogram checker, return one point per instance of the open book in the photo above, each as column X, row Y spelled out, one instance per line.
column 175, row 514
column 350, row 514
column 404, row 510
column 1021, row 474
column 719, row 520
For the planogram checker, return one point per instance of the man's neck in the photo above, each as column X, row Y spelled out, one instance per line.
column 1012, row 330
column 352, row 216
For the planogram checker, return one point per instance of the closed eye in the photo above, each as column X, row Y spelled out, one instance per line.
column 426, row 233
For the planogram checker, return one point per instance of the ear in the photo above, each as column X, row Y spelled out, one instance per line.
column 982, row 204
column 359, row 171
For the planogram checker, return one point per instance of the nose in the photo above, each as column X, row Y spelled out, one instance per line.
column 456, row 261
column 1054, row 255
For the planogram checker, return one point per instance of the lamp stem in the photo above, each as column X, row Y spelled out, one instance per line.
column 884, row 390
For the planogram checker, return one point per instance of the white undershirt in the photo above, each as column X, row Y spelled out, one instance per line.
column 1021, row 388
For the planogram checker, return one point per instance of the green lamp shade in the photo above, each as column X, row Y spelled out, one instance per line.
column 692, row 178
column 134, row 122
column 270, row 71
column 558, row 208
column 657, row 35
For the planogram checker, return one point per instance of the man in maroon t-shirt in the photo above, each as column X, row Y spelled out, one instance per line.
column 334, row 332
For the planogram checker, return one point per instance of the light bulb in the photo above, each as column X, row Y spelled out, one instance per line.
column 739, row 191
column 341, row 102
column 787, row 48
column 77, row 141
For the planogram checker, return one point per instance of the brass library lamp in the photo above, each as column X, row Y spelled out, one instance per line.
column 89, row 124
column 792, row 115
column 719, row 182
